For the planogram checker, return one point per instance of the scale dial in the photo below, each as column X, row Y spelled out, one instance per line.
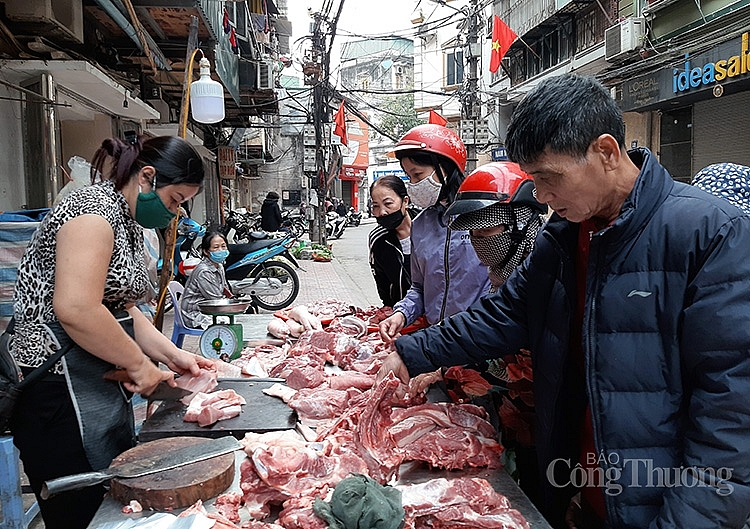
column 218, row 340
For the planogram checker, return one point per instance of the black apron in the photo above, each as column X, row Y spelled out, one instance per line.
column 103, row 407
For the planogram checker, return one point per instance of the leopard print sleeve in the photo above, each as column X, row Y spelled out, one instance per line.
column 126, row 280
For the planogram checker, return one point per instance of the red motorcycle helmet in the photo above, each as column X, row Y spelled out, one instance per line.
column 435, row 139
column 495, row 183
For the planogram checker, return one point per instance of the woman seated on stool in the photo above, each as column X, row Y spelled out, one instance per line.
column 206, row 282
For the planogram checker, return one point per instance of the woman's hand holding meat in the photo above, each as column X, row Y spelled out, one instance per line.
column 145, row 376
column 183, row 362
column 391, row 326
column 161, row 349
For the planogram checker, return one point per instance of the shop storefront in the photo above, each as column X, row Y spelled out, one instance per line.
column 356, row 154
column 703, row 104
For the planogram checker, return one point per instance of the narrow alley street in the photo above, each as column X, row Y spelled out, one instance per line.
column 346, row 278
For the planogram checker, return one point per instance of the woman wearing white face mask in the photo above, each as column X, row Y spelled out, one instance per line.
column 447, row 276
column 207, row 280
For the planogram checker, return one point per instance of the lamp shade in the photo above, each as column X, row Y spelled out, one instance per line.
column 206, row 97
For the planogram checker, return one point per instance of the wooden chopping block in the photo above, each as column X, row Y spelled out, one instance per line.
column 176, row 488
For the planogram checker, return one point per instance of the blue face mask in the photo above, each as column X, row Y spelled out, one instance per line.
column 219, row 256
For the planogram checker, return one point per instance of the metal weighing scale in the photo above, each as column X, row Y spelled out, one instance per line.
column 223, row 339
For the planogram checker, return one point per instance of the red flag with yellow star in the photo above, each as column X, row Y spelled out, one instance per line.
column 502, row 38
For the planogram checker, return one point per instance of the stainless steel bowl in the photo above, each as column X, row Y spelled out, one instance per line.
column 223, row 306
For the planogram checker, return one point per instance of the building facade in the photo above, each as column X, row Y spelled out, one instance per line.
column 76, row 72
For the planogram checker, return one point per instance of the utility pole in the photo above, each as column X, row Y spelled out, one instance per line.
column 471, row 125
column 316, row 70
column 315, row 157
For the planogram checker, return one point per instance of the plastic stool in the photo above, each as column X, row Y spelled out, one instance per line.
column 179, row 330
column 13, row 515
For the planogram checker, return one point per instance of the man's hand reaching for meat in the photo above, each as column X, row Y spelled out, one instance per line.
column 393, row 364
column 421, row 383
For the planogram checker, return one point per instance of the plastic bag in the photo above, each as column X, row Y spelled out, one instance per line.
column 80, row 176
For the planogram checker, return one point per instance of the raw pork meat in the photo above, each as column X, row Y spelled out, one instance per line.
column 204, row 382
column 458, row 503
column 259, row 361
column 298, row 514
column 283, row 466
column 220, row 522
column 228, row 505
column 314, row 405
column 208, row 408
column 255, row 524
column 349, row 379
column 451, row 436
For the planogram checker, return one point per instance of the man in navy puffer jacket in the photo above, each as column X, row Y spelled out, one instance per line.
column 635, row 306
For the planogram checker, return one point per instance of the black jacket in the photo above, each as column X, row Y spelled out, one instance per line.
column 666, row 348
column 389, row 265
column 270, row 215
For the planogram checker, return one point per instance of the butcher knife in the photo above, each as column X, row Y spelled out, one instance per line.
column 167, row 461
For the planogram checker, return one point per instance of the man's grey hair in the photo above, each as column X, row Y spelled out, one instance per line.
column 565, row 113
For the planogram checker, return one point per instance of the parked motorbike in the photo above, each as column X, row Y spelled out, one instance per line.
column 187, row 252
column 335, row 225
column 238, row 226
column 353, row 218
column 254, row 270
column 294, row 221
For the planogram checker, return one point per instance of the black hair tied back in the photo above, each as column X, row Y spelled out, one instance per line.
column 123, row 155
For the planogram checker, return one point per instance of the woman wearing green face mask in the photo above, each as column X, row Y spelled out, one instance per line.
column 77, row 286
column 206, row 281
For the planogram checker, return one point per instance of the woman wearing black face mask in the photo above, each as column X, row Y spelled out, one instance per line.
column 390, row 242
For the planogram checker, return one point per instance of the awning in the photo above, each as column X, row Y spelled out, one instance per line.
column 84, row 83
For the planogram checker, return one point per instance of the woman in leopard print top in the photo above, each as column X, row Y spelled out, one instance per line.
column 78, row 282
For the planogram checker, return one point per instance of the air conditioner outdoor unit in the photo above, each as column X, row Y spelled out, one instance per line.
column 399, row 69
column 623, row 39
column 59, row 19
column 265, row 75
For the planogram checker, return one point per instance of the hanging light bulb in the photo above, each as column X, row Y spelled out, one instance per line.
column 206, row 96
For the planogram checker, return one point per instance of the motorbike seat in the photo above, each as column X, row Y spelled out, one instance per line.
column 246, row 248
column 257, row 235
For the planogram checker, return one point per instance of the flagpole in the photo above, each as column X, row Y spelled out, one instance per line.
column 529, row 48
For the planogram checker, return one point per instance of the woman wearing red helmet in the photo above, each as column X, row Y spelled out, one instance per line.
column 497, row 205
column 447, row 276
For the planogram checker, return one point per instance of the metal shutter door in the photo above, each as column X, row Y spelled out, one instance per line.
column 720, row 131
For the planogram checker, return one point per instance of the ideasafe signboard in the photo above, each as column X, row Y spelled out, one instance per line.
column 704, row 72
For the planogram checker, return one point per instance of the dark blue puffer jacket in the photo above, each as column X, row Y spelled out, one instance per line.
column 667, row 348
